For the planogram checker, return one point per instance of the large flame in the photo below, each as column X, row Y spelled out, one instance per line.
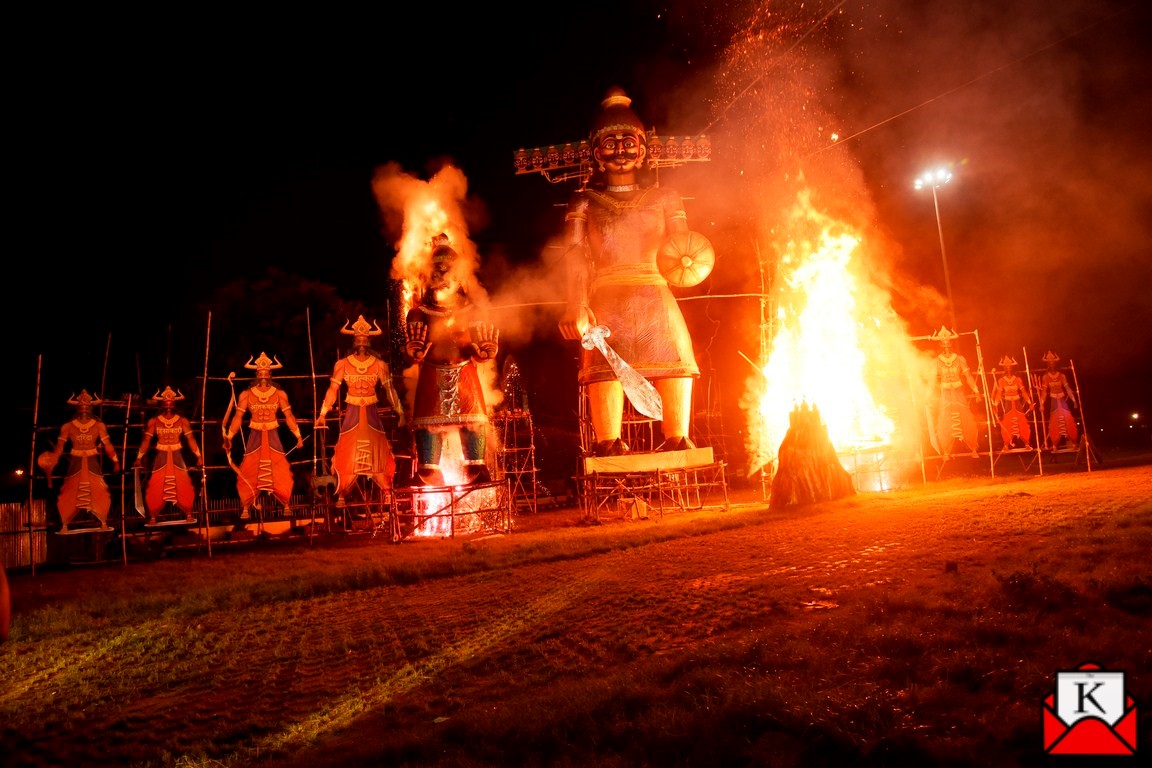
column 832, row 343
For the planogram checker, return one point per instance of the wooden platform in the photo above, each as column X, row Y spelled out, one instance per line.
column 649, row 462
column 641, row 485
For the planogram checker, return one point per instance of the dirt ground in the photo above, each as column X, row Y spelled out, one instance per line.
column 423, row 652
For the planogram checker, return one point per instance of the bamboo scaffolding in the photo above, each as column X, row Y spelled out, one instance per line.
column 315, row 453
column 1085, row 441
column 104, row 376
column 989, row 419
column 32, row 467
column 204, row 438
column 123, row 486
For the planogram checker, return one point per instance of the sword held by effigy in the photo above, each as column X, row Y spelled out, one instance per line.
column 640, row 392
column 139, row 492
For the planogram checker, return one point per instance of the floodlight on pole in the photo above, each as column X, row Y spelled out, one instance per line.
column 936, row 178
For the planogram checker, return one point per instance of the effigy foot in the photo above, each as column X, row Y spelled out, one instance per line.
column 616, row 447
column 478, row 473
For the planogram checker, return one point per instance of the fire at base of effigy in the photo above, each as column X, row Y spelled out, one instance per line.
column 446, row 512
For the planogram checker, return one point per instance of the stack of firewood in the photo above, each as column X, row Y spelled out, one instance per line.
column 808, row 469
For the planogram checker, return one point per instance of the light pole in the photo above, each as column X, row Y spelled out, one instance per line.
column 936, row 178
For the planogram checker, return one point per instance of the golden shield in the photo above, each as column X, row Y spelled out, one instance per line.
column 686, row 259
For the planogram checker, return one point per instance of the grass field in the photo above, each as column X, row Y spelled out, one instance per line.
column 918, row 627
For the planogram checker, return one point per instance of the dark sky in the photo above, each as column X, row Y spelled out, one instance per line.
column 160, row 156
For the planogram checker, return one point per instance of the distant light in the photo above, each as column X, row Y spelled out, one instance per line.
column 20, row 472
column 933, row 178
column 1135, row 416
column 835, row 137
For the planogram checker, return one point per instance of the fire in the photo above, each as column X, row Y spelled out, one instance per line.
column 454, row 511
column 415, row 211
column 833, row 338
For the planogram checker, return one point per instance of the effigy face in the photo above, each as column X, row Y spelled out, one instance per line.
column 620, row 152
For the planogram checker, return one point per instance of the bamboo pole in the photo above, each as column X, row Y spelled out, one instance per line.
column 104, row 376
column 989, row 417
column 312, row 369
column 123, row 475
column 1035, row 396
column 1083, row 423
column 204, row 439
column 32, row 466
column 315, row 452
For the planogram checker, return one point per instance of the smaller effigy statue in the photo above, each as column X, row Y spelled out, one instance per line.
column 1011, row 395
column 954, row 419
column 447, row 336
column 362, row 448
column 1056, row 394
column 84, row 487
column 265, row 467
column 169, row 482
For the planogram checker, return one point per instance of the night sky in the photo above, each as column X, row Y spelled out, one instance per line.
column 159, row 157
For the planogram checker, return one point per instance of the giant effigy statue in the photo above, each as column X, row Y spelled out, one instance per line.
column 362, row 448
column 619, row 230
column 265, row 466
column 954, row 419
column 1056, row 394
column 1011, row 394
column 447, row 336
column 168, row 482
column 84, row 487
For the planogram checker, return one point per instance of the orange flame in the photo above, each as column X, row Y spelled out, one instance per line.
column 833, row 343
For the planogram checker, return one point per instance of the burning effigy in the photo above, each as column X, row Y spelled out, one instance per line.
column 447, row 339
column 451, row 350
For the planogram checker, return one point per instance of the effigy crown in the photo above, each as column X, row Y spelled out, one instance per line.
column 945, row 334
column 167, row 396
column 263, row 363
column 84, row 399
column 361, row 328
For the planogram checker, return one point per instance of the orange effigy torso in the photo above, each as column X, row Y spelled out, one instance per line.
column 361, row 378
column 627, row 293
column 448, row 388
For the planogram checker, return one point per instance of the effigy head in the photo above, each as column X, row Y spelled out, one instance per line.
column 617, row 131
column 445, row 287
column 616, row 115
